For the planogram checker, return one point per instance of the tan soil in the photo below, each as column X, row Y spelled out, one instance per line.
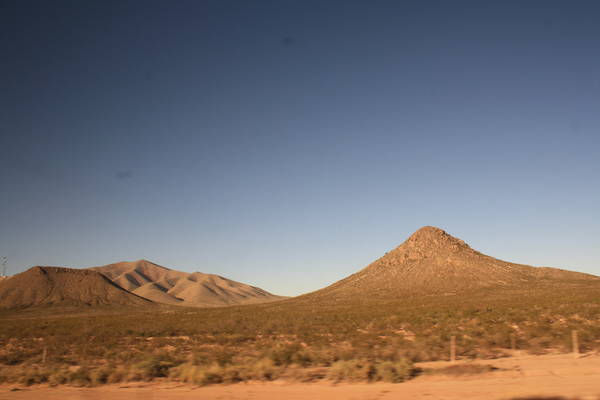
column 548, row 375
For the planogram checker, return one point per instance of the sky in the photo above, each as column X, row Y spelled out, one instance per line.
column 288, row 144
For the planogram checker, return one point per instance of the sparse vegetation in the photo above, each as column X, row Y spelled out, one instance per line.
column 371, row 371
column 265, row 342
column 370, row 337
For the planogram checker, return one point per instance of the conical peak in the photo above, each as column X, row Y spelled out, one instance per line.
column 428, row 232
column 431, row 237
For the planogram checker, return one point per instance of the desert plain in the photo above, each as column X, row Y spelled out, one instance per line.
column 430, row 319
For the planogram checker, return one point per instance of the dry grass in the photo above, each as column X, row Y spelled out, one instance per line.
column 262, row 342
column 371, row 371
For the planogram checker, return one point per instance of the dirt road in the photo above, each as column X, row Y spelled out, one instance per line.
column 548, row 375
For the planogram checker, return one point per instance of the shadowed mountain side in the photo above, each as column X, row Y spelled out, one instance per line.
column 64, row 286
column 431, row 262
column 132, row 275
column 157, row 293
column 168, row 286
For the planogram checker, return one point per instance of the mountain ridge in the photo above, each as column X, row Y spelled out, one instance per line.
column 196, row 289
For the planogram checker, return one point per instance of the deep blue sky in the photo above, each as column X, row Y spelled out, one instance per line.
column 288, row 144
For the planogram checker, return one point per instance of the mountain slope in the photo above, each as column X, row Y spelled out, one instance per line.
column 197, row 289
column 431, row 262
column 64, row 286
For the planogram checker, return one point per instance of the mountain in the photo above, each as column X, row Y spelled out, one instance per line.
column 64, row 286
column 164, row 285
column 432, row 262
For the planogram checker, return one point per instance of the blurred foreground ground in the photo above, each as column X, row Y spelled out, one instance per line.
column 516, row 377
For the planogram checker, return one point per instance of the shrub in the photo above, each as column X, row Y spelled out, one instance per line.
column 204, row 374
column 100, row 376
column 394, row 372
column 59, row 377
column 263, row 369
column 209, row 375
column 14, row 357
column 286, row 354
column 80, row 377
column 32, row 376
column 352, row 370
column 539, row 345
column 117, row 375
column 154, row 366
column 364, row 370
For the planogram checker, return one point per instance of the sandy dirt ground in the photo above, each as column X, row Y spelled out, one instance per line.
column 519, row 376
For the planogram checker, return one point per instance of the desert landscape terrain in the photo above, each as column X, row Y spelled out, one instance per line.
column 432, row 318
column 248, row 200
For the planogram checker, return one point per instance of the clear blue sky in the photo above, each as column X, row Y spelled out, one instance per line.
column 288, row 144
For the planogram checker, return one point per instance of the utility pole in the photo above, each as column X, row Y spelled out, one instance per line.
column 3, row 263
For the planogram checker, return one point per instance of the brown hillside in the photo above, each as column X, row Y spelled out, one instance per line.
column 63, row 286
column 168, row 286
column 431, row 262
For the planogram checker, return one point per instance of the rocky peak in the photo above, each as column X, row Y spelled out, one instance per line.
column 430, row 239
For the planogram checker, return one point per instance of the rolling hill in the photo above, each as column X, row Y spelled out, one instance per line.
column 41, row 286
column 164, row 285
